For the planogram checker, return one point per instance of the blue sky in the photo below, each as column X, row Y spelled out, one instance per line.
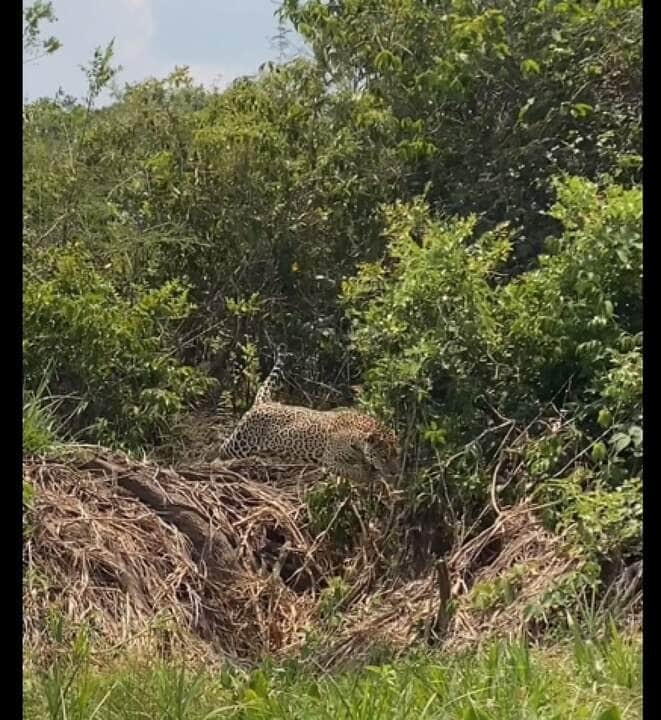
column 218, row 39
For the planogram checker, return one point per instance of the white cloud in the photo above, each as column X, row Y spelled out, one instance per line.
column 82, row 26
column 213, row 75
column 137, row 30
column 211, row 37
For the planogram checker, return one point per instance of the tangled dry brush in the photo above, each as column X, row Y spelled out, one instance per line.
column 219, row 562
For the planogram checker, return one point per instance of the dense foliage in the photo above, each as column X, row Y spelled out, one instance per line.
column 442, row 204
column 450, row 348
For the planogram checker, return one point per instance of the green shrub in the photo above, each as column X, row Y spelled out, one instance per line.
column 270, row 189
column 601, row 522
column 450, row 348
column 113, row 354
column 423, row 320
column 492, row 98
column 567, row 316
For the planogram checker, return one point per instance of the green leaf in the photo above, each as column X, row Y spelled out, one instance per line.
column 599, row 452
column 620, row 441
column 385, row 60
column 604, row 418
column 612, row 713
column 530, row 67
column 28, row 493
column 259, row 684
column 636, row 435
column 522, row 112
column 473, row 713
column 623, row 256
column 581, row 110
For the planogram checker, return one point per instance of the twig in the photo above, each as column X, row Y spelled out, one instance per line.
column 494, row 480
column 581, row 453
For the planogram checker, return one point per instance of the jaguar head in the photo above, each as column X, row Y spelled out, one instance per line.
column 382, row 453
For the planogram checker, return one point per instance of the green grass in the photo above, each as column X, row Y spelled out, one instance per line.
column 41, row 427
column 45, row 427
column 584, row 679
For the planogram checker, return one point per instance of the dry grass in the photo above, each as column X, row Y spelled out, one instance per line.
column 400, row 614
column 219, row 561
